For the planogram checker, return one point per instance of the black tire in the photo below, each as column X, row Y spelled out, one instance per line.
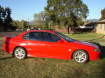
column 80, row 56
column 20, row 53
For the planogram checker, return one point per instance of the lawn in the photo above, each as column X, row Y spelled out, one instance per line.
column 90, row 37
column 54, row 68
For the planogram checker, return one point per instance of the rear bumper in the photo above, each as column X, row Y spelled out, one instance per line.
column 6, row 48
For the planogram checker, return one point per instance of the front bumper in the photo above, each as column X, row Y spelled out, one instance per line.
column 95, row 56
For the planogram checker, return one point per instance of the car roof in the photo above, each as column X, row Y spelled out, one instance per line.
column 52, row 31
column 25, row 32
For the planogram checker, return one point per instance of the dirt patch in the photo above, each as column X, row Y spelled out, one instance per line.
column 1, row 47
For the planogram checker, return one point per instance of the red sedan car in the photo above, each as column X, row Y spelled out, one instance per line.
column 50, row 44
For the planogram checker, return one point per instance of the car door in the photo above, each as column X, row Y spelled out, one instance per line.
column 35, row 44
column 53, row 46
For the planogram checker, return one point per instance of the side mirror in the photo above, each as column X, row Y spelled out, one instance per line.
column 60, row 41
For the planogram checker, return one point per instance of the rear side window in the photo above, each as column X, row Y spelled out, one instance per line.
column 33, row 36
column 41, row 36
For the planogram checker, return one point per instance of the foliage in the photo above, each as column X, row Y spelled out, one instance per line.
column 66, row 12
column 5, row 18
column 102, row 14
column 20, row 24
column 40, row 20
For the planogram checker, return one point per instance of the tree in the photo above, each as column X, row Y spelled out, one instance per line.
column 5, row 18
column 20, row 24
column 1, row 21
column 102, row 14
column 66, row 12
column 40, row 19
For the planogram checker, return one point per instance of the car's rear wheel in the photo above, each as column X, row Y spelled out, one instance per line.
column 80, row 56
column 20, row 53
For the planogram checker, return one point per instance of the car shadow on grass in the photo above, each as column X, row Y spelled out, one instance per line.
column 4, row 55
column 102, row 51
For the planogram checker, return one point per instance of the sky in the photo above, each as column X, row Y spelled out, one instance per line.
column 25, row 9
column 95, row 7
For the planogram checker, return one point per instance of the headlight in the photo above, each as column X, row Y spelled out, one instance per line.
column 97, row 50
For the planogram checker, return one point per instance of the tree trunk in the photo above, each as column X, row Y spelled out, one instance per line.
column 68, row 29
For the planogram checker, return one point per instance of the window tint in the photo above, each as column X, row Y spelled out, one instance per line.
column 26, row 36
column 41, row 36
column 50, row 37
column 35, row 36
column 65, row 37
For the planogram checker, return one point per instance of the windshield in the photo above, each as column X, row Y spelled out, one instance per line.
column 65, row 37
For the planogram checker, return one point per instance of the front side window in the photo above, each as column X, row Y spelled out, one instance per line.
column 65, row 37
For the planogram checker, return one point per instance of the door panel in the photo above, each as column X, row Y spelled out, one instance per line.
column 55, row 50
column 49, row 49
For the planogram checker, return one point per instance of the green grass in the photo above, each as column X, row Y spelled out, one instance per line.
column 85, row 36
column 50, row 68
column 90, row 37
column 1, row 38
column 53, row 68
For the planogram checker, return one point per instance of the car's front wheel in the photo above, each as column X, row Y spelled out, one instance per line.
column 20, row 53
column 80, row 56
